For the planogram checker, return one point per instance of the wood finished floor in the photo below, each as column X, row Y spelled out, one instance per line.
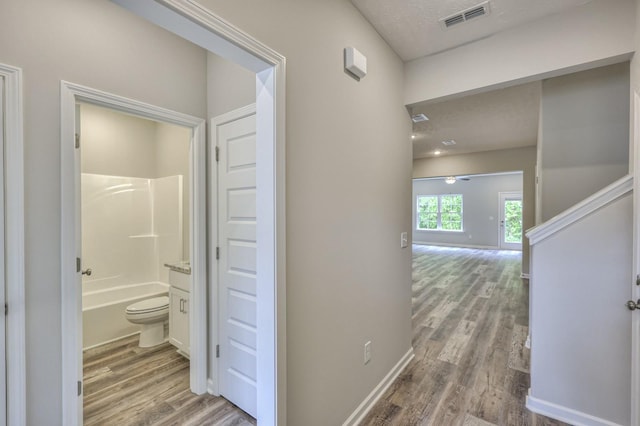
column 470, row 323
column 128, row 385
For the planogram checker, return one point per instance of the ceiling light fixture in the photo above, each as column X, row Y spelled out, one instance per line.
column 450, row 180
column 437, row 152
column 413, row 136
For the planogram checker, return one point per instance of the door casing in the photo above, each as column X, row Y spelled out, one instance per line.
column 14, row 264
column 71, row 300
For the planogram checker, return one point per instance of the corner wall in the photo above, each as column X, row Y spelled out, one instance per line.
column 348, row 172
column 584, row 140
column 505, row 160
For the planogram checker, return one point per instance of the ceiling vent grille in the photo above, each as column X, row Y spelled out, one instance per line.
column 477, row 11
column 449, row 143
column 418, row 118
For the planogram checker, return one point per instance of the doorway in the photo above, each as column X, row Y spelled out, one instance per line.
column 72, row 266
column 511, row 220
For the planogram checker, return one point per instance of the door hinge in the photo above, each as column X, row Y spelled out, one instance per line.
column 217, row 154
column 217, row 351
column 6, row 309
column 217, row 253
column 77, row 141
column 637, row 279
column 78, row 264
column 79, row 388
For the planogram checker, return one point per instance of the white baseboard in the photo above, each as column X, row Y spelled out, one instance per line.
column 425, row 243
column 564, row 414
column 356, row 417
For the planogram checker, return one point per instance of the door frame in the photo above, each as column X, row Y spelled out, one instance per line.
column 214, row 278
column 502, row 197
column 14, row 263
column 195, row 23
column 635, row 289
column 71, row 302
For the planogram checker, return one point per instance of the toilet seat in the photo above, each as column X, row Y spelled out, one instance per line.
column 149, row 306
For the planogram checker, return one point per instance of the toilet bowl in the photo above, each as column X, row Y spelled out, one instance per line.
column 151, row 315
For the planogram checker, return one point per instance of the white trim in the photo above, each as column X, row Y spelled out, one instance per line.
column 470, row 246
column 14, row 237
column 580, row 210
column 365, row 406
column 197, row 24
column 635, row 290
column 213, row 381
column 564, row 414
column 524, row 276
column 71, row 247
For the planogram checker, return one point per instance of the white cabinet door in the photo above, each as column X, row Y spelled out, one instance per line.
column 237, row 265
column 179, row 319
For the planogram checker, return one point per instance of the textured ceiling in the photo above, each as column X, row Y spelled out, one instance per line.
column 501, row 119
column 412, row 29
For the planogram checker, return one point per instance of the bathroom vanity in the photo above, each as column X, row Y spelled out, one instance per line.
column 179, row 297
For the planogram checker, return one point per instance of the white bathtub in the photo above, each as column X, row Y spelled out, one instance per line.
column 103, row 311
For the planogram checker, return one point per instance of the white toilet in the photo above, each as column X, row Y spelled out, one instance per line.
column 151, row 315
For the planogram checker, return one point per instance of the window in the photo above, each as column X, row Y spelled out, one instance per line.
column 439, row 212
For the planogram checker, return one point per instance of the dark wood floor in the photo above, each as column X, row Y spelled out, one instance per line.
column 470, row 322
column 128, row 385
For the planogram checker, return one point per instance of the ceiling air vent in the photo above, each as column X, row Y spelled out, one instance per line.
column 449, row 143
column 418, row 118
column 477, row 11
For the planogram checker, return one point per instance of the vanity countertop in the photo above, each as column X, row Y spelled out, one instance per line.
column 183, row 266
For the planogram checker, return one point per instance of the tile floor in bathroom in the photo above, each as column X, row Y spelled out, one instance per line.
column 128, row 385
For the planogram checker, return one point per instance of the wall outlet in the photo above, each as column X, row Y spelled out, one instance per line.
column 404, row 240
column 367, row 352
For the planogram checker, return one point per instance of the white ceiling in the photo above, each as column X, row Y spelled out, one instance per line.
column 501, row 119
column 412, row 29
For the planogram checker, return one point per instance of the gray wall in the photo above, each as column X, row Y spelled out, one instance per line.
column 100, row 45
column 480, row 210
column 348, row 172
column 229, row 86
column 506, row 160
column 584, row 140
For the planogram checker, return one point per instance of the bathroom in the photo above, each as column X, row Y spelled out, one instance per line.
column 135, row 231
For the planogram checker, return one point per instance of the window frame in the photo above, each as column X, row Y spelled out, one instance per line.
column 439, row 227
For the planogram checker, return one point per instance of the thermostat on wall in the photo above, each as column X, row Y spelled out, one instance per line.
column 355, row 62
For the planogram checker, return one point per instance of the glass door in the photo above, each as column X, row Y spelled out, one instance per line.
column 511, row 220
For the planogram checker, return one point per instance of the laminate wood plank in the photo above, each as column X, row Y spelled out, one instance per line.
column 128, row 385
column 519, row 354
column 470, row 420
column 458, row 341
column 487, row 382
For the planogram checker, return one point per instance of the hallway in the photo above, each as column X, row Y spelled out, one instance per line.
column 470, row 322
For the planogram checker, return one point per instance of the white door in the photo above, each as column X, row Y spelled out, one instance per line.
column 3, row 318
column 236, row 142
column 511, row 220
